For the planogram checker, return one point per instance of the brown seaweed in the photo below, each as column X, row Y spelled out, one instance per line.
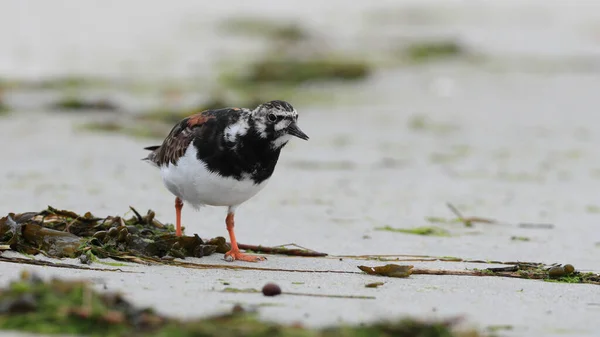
column 61, row 233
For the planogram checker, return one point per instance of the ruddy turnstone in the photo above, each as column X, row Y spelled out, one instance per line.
column 224, row 157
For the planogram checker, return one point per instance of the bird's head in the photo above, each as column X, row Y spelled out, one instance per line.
column 278, row 122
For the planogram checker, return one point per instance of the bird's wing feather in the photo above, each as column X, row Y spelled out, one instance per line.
column 178, row 140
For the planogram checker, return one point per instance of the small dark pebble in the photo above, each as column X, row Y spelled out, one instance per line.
column 271, row 289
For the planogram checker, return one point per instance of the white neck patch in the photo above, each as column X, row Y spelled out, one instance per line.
column 237, row 129
column 279, row 142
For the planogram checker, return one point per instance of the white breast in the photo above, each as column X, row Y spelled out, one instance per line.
column 191, row 181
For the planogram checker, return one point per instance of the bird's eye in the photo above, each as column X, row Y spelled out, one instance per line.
column 272, row 117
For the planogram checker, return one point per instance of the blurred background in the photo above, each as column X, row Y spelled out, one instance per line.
column 489, row 105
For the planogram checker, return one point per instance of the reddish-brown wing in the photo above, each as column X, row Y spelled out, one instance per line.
column 178, row 140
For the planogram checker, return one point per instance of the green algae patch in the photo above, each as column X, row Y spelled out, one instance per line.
column 62, row 307
column 31, row 304
column 4, row 108
column 141, row 129
column 293, row 71
column 278, row 30
column 374, row 285
column 426, row 51
column 435, row 219
column 172, row 116
column 76, row 103
column 422, row 123
column 424, row 230
column 157, row 123
column 553, row 273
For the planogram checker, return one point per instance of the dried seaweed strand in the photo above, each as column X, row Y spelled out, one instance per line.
column 137, row 214
column 360, row 297
column 486, row 273
column 237, row 267
column 425, row 258
column 282, row 250
column 468, row 221
column 58, row 265
column 254, row 291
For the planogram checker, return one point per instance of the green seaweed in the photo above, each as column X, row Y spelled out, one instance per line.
column 434, row 219
column 263, row 27
column 134, row 129
column 4, row 109
column 538, row 271
column 374, row 285
column 520, row 238
column 496, row 328
column 425, row 51
column 423, row 123
column 65, row 83
column 76, row 103
column 289, row 70
column 56, row 306
column 171, row 116
column 592, row 209
column 455, row 153
column 485, row 271
column 576, row 277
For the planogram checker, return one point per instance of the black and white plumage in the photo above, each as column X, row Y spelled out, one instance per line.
column 224, row 157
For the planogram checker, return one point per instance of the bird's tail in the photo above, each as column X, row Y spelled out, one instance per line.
column 152, row 155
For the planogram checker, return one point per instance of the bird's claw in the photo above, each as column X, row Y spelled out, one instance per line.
column 232, row 255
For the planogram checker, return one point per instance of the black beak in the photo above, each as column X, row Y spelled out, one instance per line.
column 294, row 130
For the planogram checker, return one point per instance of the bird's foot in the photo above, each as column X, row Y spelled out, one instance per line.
column 239, row 256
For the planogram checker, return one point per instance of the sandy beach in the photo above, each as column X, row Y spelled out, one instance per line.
column 514, row 140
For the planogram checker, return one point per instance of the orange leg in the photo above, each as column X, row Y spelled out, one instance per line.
column 178, row 207
column 234, row 253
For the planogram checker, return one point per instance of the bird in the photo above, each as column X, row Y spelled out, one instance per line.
column 224, row 157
